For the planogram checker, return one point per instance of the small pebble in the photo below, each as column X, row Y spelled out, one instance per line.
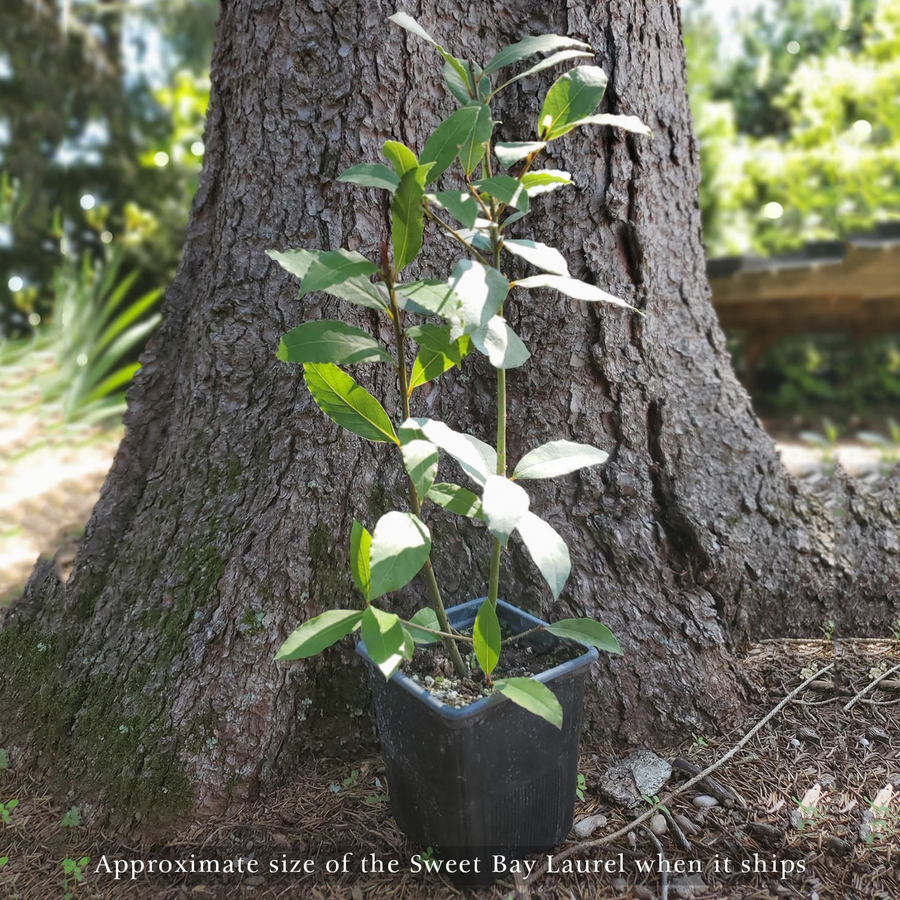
column 704, row 801
column 863, row 742
column 414, row 678
column 658, row 824
column 429, row 681
column 795, row 742
column 452, row 695
column 587, row 826
column 632, row 839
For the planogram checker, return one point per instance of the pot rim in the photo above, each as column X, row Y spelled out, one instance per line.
column 473, row 709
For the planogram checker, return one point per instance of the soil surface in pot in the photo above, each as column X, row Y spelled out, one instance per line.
column 431, row 669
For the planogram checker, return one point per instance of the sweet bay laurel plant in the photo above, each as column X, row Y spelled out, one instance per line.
column 447, row 319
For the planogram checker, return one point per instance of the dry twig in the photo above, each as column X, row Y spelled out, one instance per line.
column 869, row 687
column 601, row 842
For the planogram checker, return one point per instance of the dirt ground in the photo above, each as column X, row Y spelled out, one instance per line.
column 817, row 799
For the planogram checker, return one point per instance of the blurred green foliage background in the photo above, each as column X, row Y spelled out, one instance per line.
column 102, row 106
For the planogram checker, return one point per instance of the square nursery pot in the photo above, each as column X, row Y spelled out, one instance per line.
column 490, row 778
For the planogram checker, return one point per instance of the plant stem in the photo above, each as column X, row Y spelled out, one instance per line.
column 494, row 580
column 521, row 634
column 443, row 634
column 456, row 235
column 434, row 591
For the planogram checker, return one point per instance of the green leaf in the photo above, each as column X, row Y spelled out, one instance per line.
column 360, row 544
column 558, row 458
column 486, row 636
column 502, row 346
column 443, row 146
column 477, row 459
column 531, row 46
column 409, row 644
column 481, row 289
column 572, row 287
column 400, row 157
column 408, row 217
column 400, row 545
column 547, row 549
column 505, row 188
column 437, row 338
column 335, row 267
column 429, row 364
column 503, row 503
column 626, row 123
column 554, row 60
column 460, row 204
column 314, row 636
column 326, row 341
column 510, row 153
column 427, row 618
column 362, row 292
column 72, row 819
column 421, row 461
column 540, row 255
column 404, row 20
column 348, row 404
column 429, row 297
column 116, row 380
column 586, row 631
column 383, row 635
column 544, row 181
column 356, row 289
column 572, row 96
column 372, row 175
column 297, row 262
column 534, row 696
column 472, row 151
column 457, row 499
column 410, row 24
column 457, row 83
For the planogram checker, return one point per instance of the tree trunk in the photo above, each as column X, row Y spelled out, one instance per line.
column 226, row 516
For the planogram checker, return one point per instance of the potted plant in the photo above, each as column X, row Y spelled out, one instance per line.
column 475, row 762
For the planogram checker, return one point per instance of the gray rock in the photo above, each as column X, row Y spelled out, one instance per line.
column 704, row 801
column 658, row 824
column 687, row 888
column 640, row 774
column 587, row 826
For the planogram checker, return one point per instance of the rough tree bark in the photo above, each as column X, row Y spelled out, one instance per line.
column 226, row 514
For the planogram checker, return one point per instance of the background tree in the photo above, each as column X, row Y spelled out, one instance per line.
column 150, row 677
column 98, row 144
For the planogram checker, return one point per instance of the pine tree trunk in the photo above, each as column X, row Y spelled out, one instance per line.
column 226, row 516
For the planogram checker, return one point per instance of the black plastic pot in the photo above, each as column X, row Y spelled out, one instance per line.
column 490, row 778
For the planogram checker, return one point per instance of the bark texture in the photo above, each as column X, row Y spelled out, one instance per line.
column 226, row 515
